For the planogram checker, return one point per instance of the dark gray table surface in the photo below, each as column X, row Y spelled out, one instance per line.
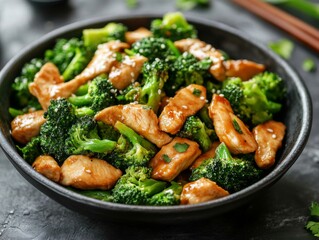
column 278, row 213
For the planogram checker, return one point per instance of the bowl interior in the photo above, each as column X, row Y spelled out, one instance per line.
column 296, row 116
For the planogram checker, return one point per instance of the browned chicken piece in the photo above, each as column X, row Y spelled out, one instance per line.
column 209, row 154
column 83, row 172
column 269, row 136
column 26, row 126
column 185, row 103
column 126, row 72
column 140, row 118
column 220, row 69
column 173, row 158
column 243, row 69
column 229, row 128
column 102, row 61
column 48, row 83
column 136, row 35
column 48, row 167
column 201, row 190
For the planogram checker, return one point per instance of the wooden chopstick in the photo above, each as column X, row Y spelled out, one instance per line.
column 295, row 27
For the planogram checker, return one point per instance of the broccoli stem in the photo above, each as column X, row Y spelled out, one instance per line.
column 15, row 112
column 173, row 48
column 80, row 101
column 133, row 137
column 82, row 90
column 84, row 111
column 99, row 146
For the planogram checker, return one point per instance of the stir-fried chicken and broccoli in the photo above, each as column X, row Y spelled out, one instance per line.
column 147, row 117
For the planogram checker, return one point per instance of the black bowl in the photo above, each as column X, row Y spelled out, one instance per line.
column 297, row 116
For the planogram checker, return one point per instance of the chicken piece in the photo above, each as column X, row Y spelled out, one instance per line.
column 269, row 136
column 136, row 35
column 229, row 128
column 185, row 103
column 220, row 68
column 83, row 172
column 126, row 72
column 26, row 126
column 48, row 83
column 243, row 69
column 201, row 190
column 209, row 154
column 140, row 118
column 48, row 167
column 173, row 158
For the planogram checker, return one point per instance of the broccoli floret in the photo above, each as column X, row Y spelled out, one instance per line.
column 173, row 26
column 112, row 31
column 187, row 70
column 232, row 174
column 101, row 94
column 136, row 187
column 169, row 196
column 254, row 100
column 22, row 99
column 60, row 117
column 154, row 48
column 106, row 131
column 194, row 129
column 155, row 75
column 131, row 149
column 32, row 150
column 130, row 94
column 84, row 138
column 70, row 56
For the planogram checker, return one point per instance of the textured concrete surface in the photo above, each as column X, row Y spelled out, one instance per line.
column 279, row 213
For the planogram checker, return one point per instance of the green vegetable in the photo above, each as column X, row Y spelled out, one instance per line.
column 169, row 196
column 131, row 149
column 312, row 224
column 181, row 147
column 256, row 100
column 187, row 70
column 194, row 129
column 282, row 47
column 83, row 138
column 185, row 5
column 131, row 3
column 70, row 56
column 309, row 65
column 232, row 174
column 100, row 94
column 155, row 48
column 112, row 31
column 173, row 26
column 237, row 127
column 21, row 97
column 309, row 8
column 166, row 158
column 136, row 186
column 155, row 75
column 60, row 117
column 32, row 150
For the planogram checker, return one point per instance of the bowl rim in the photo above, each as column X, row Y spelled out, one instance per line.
column 28, row 172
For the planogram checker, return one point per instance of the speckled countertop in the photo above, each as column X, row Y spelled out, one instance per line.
column 278, row 213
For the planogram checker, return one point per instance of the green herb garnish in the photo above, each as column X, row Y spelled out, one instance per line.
column 236, row 126
column 282, row 47
column 313, row 223
column 197, row 92
column 190, row 4
column 166, row 158
column 181, row 147
column 309, row 65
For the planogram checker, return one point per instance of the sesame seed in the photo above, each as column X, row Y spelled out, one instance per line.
column 274, row 136
column 270, row 130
